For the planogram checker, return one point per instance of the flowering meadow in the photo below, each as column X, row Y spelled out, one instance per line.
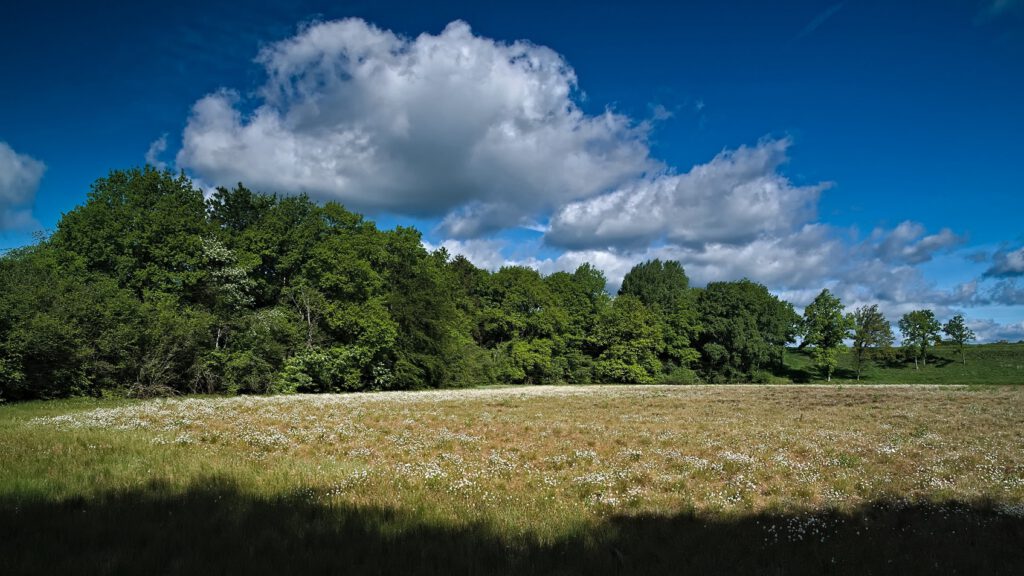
column 536, row 475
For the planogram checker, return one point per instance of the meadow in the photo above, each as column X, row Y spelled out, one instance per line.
column 554, row 479
column 1001, row 363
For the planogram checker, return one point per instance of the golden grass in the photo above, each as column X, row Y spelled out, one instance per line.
column 544, row 462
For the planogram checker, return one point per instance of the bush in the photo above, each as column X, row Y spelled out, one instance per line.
column 335, row 369
column 678, row 375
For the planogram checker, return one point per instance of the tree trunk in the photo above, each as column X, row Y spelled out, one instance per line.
column 963, row 359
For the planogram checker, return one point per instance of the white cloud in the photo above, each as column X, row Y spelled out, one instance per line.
column 19, row 179
column 908, row 243
column 1006, row 292
column 988, row 330
column 737, row 198
column 1006, row 263
column 485, row 135
column 455, row 124
column 482, row 253
column 156, row 148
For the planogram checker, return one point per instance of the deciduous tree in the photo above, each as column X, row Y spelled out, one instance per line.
column 959, row 332
column 920, row 330
column 824, row 329
column 872, row 334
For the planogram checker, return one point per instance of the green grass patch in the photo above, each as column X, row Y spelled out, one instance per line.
column 987, row 364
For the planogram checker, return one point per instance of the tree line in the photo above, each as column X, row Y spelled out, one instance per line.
column 150, row 288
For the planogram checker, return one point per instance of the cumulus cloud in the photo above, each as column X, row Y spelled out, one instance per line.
column 487, row 133
column 736, row 198
column 484, row 253
column 1006, row 292
column 1007, row 263
column 988, row 330
column 19, row 179
column 908, row 243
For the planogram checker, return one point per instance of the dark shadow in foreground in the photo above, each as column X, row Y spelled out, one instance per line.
column 214, row 528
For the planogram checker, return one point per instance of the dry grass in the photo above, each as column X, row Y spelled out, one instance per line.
column 544, row 460
column 584, row 480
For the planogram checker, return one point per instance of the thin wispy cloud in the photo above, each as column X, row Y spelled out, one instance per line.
column 20, row 175
column 820, row 19
column 156, row 148
column 995, row 8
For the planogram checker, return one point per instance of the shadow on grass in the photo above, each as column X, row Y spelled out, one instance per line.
column 215, row 529
column 801, row 375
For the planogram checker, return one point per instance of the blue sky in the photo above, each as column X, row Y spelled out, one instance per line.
column 871, row 147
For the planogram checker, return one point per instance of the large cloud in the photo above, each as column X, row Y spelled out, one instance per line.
column 484, row 135
column 484, row 131
column 19, row 180
column 736, row 198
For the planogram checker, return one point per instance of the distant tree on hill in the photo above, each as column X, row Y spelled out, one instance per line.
column 872, row 334
column 958, row 332
column 920, row 330
column 824, row 328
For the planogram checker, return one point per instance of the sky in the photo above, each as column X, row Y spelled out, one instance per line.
column 872, row 148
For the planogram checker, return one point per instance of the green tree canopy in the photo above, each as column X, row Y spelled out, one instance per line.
column 920, row 331
column 872, row 334
column 958, row 331
column 824, row 329
column 744, row 329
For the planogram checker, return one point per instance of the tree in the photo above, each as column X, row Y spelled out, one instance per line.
column 824, row 328
column 142, row 227
column 629, row 336
column 659, row 285
column 582, row 296
column 871, row 334
column 958, row 332
column 920, row 330
column 665, row 289
column 744, row 330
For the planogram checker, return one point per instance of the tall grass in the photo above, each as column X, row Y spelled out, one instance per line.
column 609, row 479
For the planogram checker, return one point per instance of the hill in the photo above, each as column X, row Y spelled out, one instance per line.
column 986, row 364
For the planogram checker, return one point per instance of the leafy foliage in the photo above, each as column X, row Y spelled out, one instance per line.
column 920, row 331
column 744, row 330
column 872, row 336
column 958, row 331
column 824, row 329
column 150, row 289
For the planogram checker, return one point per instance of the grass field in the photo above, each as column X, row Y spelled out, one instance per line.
column 569, row 480
column 986, row 364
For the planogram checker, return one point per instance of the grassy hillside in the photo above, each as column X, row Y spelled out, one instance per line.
column 527, row 480
column 986, row 364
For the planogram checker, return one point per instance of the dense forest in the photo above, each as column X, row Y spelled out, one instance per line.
column 149, row 288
